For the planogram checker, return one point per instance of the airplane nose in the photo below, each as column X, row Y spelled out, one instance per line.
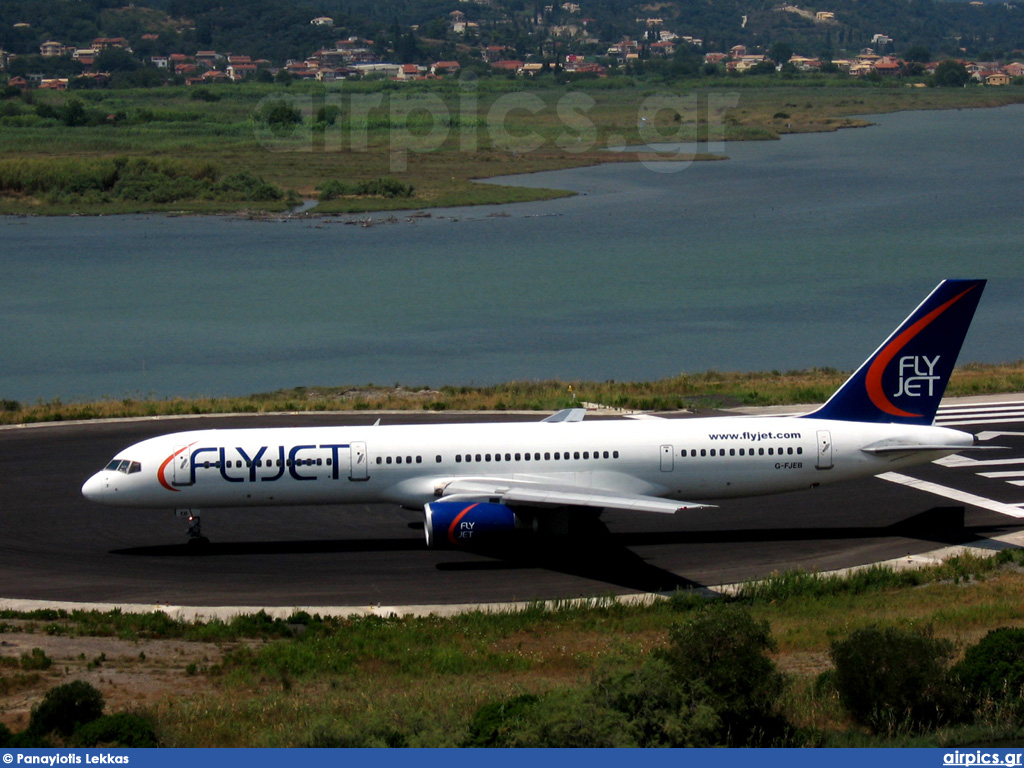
column 94, row 487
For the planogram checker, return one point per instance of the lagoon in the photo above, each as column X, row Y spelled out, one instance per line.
column 795, row 253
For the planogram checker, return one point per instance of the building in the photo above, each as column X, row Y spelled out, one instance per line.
column 102, row 43
column 439, row 68
column 52, row 48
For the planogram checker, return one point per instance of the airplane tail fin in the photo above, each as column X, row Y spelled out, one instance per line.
column 903, row 381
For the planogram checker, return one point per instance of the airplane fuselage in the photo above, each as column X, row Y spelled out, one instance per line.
column 411, row 465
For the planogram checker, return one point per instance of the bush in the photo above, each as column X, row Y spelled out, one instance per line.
column 384, row 186
column 65, row 708
column 494, row 722
column 662, row 712
column 720, row 655
column 994, row 668
column 120, row 730
column 572, row 719
column 279, row 114
column 893, row 679
column 36, row 659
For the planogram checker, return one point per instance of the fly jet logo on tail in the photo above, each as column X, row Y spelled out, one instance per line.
column 903, row 381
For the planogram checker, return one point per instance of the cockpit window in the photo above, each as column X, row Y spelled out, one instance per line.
column 124, row 465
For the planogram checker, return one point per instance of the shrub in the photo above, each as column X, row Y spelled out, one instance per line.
column 65, row 708
column 720, row 655
column 203, row 94
column 893, row 679
column 572, row 718
column 35, row 659
column 663, row 713
column 279, row 114
column 384, row 186
column 120, row 730
column 994, row 668
column 495, row 721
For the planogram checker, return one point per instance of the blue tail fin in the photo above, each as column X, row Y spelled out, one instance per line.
column 903, row 381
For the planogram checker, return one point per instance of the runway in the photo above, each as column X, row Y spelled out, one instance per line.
column 58, row 546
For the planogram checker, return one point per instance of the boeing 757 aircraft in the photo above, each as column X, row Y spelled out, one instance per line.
column 479, row 483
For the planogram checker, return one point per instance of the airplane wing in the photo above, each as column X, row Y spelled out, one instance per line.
column 540, row 494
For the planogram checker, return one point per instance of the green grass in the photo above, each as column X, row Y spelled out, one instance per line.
column 310, row 680
column 478, row 134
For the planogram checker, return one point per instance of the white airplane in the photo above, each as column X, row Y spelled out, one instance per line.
column 479, row 483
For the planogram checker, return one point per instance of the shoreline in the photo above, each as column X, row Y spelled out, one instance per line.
column 449, row 176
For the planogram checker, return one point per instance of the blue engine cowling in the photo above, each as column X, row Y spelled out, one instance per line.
column 451, row 524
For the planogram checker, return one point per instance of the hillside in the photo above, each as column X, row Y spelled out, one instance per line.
column 279, row 30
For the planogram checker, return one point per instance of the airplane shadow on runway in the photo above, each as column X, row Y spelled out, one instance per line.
column 597, row 554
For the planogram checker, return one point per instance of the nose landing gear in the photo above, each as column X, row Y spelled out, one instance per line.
column 194, row 534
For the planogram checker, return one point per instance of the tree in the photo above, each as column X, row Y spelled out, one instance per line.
column 116, row 60
column 918, row 53
column 65, row 708
column 952, row 74
column 780, row 53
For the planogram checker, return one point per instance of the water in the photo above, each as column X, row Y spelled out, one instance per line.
column 801, row 252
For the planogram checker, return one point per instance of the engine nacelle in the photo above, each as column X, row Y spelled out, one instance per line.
column 451, row 524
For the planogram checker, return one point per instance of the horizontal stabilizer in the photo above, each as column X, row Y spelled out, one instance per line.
column 565, row 415
column 911, row 448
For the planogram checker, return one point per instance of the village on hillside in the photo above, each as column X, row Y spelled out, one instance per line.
column 357, row 58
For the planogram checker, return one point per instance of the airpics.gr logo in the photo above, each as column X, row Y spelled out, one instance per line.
column 916, row 376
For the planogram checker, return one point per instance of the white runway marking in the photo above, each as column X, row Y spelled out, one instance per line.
column 1011, row 510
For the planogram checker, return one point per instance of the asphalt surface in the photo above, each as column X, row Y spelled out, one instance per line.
column 58, row 546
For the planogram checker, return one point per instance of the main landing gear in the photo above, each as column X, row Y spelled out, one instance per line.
column 194, row 534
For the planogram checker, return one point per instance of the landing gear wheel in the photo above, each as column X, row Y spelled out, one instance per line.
column 196, row 540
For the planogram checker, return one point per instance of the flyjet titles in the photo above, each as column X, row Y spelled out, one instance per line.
column 917, row 371
column 238, row 465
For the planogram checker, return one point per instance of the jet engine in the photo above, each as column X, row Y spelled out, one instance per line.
column 453, row 524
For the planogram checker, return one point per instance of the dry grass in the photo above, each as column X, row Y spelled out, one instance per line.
column 703, row 390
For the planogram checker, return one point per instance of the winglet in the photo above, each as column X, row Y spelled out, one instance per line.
column 903, row 381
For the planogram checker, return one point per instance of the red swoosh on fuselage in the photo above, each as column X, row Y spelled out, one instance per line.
column 168, row 460
column 873, row 380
